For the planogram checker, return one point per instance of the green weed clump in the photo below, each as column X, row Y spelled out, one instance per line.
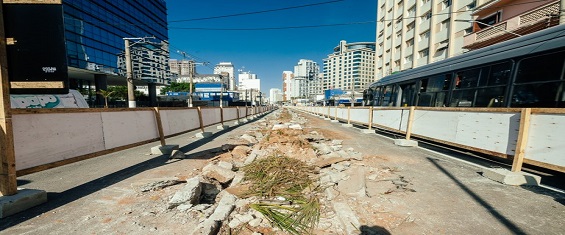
column 286, row 185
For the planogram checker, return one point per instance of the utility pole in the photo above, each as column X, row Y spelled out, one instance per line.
column 8, row 180
column 129, row 69
column 129, row 75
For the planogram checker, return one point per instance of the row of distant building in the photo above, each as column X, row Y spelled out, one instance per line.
column 413, row 33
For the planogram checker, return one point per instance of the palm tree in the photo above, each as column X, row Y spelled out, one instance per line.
column 105, row 94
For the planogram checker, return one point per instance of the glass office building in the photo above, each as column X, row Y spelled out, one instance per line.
column 95, row 32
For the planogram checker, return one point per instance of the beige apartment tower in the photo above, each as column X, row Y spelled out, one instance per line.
column 412, row 33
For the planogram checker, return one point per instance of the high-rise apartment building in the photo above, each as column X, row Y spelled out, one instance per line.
column 275, row 95
column 412, row 33
column 287, row 85
column 182, row 67
column 305, row 81
column 350, row 67
column 227, row 68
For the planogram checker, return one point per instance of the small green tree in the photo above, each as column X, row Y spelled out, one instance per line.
column 177, row 87
column 106, row 95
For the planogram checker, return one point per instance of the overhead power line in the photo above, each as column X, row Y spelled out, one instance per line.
column 276, row 28
column 256, row 12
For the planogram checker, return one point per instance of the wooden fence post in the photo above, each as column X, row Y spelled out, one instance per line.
column 200, row 118
column 335, row 117
column 159, row 126
column 222, row 116
column 328, row 111
column 349, row 115
column 237, row 113
column 410, row 122
column 371, row 118
column 525, row 116
column 8, row 179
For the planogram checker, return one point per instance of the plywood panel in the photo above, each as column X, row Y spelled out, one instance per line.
column 360, row 115
column 211, row 116
column 44, row 138
column 123, row 128
column 241, row 112
column 230, row 114
column 342, row 113
column 497, row 132
column 545, row 141
column 435, row 124
column 391, row 118
column 177, row 121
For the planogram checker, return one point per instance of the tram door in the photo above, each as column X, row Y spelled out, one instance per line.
column 406, row 94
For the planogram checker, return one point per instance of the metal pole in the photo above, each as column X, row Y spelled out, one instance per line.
column 129, row 76
column 190, row 90
column 221, row 95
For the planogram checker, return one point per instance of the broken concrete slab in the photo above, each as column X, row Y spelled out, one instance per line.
column 348, row 218
column 222, row 127
column 190, row 193
column 21, row 201
column 220, row 174
column 147, row 185
column 355, row 184
column 249, row 138
column 225, row 165
column 295, row 127
column 221, row 213
column 166, row 149
column 279, row 126
column 329, row 161
column 512, row 178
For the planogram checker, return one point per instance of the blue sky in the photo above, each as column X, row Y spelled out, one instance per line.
column 266, row 52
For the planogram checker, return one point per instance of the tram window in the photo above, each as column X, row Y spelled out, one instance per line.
column 387, row 96
column 498, row 75
column 548, row 95
column 490, row 97
column 467, row 78
column 541, row 68
column 423, row 85
column 463, row 98
column 439, row 83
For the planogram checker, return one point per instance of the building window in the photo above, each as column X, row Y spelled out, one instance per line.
column 426, row 16
column 490, row 20
column 408, row 59
column 472, row 5
column 424, row 53
column 424, row 35
column 412, row 10
column 410, row 43
column 446, row 4
column 410, row 26
column 424, row 2
column 445, row 24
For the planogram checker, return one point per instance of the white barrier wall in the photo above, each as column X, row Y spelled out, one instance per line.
column 44, row 138
column 489, row 131
column 360, row 115
column 123, row 128
column 230, row 114
column 178, row 121
column 48, row 136
column 496, row 132
column 210, row 116
column 241, row 112
column 545, row 141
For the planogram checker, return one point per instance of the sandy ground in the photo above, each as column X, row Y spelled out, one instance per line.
column 408, row 191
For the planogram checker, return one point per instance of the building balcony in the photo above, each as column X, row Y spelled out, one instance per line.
column 531, row 21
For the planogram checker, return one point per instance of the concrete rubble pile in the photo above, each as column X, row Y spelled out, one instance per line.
column 213, row 198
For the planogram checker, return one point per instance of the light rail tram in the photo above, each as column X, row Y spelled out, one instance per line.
column 528, row 71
